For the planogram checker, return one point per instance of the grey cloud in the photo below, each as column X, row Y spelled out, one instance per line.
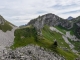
column 76, row 11
column 60, row 7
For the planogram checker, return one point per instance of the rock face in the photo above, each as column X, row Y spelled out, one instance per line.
column 2, row 20
column 30, row 52
column 50, row 20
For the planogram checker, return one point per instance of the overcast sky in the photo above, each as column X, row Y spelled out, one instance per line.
column 20, row 12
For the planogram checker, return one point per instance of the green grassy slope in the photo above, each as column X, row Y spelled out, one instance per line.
column 76, row 44
column 51, row 36
column 28, row 35
column 5, row 27
column 24, row 36
column 72, row 30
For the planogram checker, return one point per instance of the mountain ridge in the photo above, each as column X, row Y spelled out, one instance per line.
column 51, row 20
column 43, row 32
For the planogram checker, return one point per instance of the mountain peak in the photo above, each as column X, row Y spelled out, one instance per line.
column 50, row 20
column 70, row 18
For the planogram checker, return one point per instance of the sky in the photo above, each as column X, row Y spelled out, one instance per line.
column 20, row 12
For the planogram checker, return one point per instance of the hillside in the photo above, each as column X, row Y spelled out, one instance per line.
column 44, row 30
column 6, row 34
column 76, row 22
column 4, row 25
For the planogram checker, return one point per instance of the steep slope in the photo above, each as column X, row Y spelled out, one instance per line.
column 4, row 25
column 25, row 36
column 6, row 34
column 76, row 22
column 43, row 31
column 53, row 20
column 75, row 30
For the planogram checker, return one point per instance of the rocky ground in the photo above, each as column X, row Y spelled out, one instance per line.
column 72, row 37
column 30, row 52
column 6, row 39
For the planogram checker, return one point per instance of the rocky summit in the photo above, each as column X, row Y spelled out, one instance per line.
column 50, row 20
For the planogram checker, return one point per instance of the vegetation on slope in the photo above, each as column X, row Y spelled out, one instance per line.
column 51, row 36
column 76, row 44
column 28, row 35
column 24, row 36
column 5, row 27
column 72, row 30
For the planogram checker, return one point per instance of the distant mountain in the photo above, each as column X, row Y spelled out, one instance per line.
column 70, row 18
